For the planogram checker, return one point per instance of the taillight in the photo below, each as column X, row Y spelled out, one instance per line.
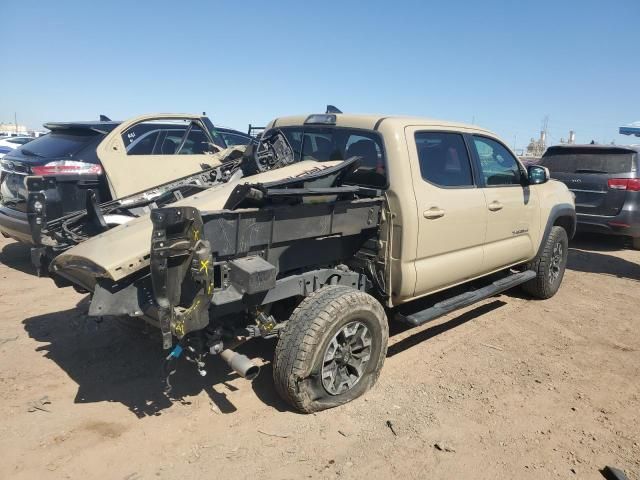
column 631, row 184
column 67, row 167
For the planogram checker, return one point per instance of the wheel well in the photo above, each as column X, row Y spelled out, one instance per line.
column 567, row 223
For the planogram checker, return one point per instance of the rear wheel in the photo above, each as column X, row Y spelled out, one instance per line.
column 549, row 265
column 635, row 243
column 332, row 349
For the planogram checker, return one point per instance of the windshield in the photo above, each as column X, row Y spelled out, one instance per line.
column 323, row 144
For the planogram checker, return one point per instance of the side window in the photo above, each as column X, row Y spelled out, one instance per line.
column 165, row 137
column 498, row 166
column 143, row 145
column 233, row 139
column 169, row 141
column 444, row 160
column 196, row 142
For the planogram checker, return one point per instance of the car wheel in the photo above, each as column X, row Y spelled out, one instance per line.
column 549, row 265
column 331, row 350
column 635, row 243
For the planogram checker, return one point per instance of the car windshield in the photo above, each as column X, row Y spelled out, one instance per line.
column 323, row 144
column 588, row 160
column 58, row 144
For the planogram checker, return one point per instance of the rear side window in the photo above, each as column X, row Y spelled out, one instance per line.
column 570, row 160
column 60, row 145
column 444, row 159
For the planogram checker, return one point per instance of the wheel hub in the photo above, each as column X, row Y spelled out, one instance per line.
column 556, row 262
column 345, row 358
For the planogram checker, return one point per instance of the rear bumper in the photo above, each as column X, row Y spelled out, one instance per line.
column 626, row 223
column 15, row 224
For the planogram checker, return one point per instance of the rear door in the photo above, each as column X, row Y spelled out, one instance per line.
column 591, row 174
column 152, row 150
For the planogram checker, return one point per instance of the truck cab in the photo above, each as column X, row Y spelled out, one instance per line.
column 460, row 202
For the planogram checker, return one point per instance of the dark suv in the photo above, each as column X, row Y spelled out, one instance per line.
column 606, row 182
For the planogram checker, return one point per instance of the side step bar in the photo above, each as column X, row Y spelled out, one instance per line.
column 466, row 299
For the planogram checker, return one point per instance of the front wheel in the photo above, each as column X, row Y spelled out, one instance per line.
column 332, row 349
column 549, row 265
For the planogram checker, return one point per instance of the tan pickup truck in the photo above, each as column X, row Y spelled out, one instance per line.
column 352, row 219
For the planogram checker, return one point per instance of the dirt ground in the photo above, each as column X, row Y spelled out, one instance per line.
column 513, row 388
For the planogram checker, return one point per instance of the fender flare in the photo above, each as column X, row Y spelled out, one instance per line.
column 564, row 211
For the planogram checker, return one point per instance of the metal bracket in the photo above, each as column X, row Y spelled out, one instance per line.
column 177, row 250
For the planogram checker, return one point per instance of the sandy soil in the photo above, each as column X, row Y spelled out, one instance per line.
column 514, row 388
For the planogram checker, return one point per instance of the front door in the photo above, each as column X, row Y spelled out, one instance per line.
column 452, row 212
column 513, row 213
column 149, row 151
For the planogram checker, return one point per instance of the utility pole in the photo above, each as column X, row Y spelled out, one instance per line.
column 15, row 120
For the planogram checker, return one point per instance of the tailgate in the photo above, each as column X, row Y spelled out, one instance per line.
column 593, row 195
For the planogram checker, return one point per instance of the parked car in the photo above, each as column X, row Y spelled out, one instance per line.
column 606, row 182
column 359, row 217
column 112, row 159
column 10, row 143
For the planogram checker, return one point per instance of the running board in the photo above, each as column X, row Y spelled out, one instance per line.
column 466, row 299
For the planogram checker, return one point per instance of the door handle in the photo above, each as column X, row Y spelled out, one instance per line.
column 495, row 206
column 433, row 213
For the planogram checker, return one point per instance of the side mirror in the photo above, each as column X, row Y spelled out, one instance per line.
column 537, row 174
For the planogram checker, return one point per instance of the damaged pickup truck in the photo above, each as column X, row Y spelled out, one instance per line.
column 364, row 215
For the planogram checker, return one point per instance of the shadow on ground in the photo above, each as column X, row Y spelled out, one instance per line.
column 398, row 329
column 587, row 253
column 599, row 243
column 17, row 256
column 120, row 360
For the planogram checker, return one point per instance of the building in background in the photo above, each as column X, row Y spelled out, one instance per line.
column 13, row 129
column 537, row 147
column 17, row 130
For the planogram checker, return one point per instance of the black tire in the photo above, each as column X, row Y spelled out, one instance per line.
column 635, row 243
column 549, row 265
column 317, row 322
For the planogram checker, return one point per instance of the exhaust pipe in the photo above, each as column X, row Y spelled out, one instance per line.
column 240, row 364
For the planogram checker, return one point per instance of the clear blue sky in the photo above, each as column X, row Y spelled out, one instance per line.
column 504, row 65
